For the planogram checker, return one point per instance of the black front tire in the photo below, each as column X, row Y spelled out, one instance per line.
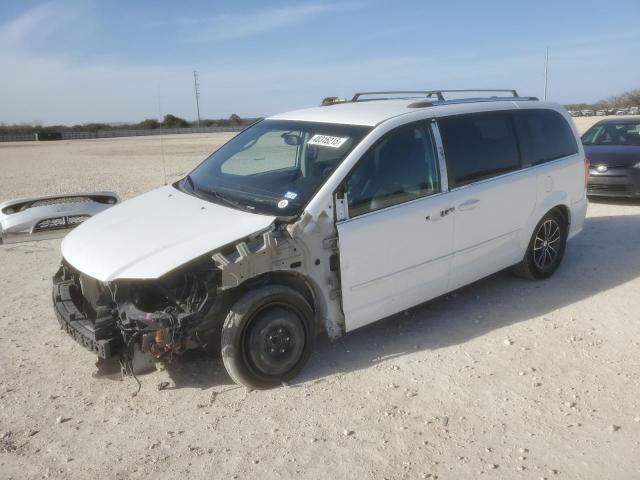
column 546, row 248
column 267, row 336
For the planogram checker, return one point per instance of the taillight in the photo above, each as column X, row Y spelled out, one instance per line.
column 587, row 164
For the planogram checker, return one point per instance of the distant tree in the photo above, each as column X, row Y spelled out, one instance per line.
column 625, row 100
column 235, row 119
column 93, row 127
column 150, row 124
column 171, row 121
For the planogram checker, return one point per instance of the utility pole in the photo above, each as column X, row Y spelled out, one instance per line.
column 164, row 167
column 546, row 74
column 196, row 87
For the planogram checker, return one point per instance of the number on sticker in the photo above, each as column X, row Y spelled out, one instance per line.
column 327, row 141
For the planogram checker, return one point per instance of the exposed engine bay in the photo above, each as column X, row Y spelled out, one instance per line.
column 143, row 321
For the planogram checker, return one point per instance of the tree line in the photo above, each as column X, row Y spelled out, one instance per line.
column 624, row 100
column 169, row 121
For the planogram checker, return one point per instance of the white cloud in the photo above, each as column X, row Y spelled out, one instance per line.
column 18, row 30
column 243, row 25
column 39, row 24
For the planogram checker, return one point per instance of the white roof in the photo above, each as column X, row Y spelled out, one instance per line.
column 350, row 113
column 373, row 112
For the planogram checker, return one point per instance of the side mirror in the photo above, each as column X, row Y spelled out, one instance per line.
column 291, row 139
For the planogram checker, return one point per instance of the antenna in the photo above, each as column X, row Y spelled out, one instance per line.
column 196, row 87
column 164, row 168
column 546, row 74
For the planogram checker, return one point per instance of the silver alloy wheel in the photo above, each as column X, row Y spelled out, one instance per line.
column 546, row 244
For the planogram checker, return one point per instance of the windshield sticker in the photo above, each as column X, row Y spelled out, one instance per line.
column 291, row 195
column 327, row 141
column 283, row 203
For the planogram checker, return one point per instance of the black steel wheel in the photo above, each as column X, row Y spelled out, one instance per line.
column 267, row 336
column 546, row 248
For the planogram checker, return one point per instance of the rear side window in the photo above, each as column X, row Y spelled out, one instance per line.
column 544, row 135
column 478, row 146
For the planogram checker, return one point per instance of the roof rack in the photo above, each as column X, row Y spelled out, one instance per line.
column 431, row 93
column 429, row 103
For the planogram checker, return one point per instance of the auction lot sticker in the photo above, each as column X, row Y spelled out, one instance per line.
column 327, row 141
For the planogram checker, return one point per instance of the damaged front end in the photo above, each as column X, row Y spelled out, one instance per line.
column 139, row 320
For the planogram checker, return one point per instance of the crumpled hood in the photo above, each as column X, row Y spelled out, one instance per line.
column 152, row 234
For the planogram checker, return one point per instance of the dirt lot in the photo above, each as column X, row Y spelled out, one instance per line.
column 503, row 379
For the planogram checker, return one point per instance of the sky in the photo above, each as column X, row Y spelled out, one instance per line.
column 78, row 61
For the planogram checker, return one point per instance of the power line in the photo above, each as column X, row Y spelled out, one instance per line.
column 196, row 87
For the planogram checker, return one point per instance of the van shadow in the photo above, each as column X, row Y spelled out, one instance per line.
column 603, row 256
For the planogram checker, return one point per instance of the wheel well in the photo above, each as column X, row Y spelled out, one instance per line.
column 292, row 280
column 564, row 212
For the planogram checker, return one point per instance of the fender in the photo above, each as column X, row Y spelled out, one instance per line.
column 551, row 201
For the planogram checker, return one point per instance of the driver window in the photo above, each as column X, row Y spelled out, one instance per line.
column 400, row 167
column 271, row 151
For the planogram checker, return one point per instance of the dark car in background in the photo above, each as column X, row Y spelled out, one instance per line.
column 613, row 148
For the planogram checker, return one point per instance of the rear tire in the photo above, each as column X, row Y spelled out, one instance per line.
column 546, row 248
column 267, row 336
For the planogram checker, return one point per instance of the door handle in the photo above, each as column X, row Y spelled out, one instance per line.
column 447, row 211
column 469, row 204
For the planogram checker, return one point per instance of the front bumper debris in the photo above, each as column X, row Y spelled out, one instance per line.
column 103, row 342
column 140, row 321
column 52, row 216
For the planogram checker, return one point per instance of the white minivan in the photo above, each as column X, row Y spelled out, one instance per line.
column 325, row 219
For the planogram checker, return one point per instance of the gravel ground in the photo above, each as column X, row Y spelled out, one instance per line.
column 504, row 378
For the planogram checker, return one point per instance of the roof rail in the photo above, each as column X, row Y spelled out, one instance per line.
column 432, row 103
column 426, row 93
column 431, row 93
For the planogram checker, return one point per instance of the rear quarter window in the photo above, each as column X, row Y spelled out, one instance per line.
column 544, row 135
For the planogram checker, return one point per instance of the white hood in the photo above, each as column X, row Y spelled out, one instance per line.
column 152, row 234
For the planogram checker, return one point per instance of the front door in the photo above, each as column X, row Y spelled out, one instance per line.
column 396, row 244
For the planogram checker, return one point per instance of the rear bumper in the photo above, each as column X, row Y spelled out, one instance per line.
column 76, row 323
column 620, row 182
column 577, row 215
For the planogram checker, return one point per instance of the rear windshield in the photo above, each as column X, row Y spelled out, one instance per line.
column 613, row 134
column 273, row 167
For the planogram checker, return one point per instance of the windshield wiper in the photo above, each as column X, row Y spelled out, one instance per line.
column 228, row 201
column 203, row 193
column 192, row 186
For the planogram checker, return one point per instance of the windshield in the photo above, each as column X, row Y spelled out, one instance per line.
column 613, row 134
column 273, row 167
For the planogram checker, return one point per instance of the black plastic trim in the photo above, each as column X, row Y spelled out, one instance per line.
column 78, row 326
